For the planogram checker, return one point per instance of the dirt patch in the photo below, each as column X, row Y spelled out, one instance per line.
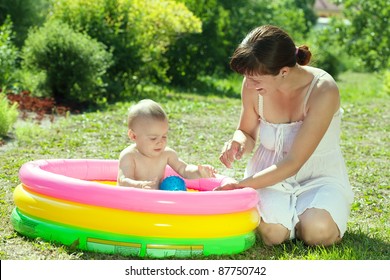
column 37, row 108
column 43, row 111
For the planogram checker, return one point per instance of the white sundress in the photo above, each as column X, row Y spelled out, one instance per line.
column 321, row 183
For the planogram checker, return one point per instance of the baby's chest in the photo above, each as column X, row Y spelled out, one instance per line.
column 150, row 170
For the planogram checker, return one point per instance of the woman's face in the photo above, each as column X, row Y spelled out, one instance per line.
column 263, row 84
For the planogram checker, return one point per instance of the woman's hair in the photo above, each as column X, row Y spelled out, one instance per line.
column 266, row 50
column 145, row 108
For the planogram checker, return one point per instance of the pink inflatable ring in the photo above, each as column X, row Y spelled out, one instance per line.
column 75, row 180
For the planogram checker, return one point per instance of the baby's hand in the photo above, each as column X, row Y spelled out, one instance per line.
column 206, row 171
column 147, row 184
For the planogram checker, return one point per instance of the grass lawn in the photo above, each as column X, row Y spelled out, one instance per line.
column 199, row 125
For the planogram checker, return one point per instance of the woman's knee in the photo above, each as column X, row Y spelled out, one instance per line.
column 273, row 234
column 316, row 227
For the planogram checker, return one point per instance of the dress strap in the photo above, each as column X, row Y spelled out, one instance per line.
column 261, row 107
column 313, row 82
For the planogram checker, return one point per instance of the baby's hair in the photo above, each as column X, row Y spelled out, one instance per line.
column 145, row 108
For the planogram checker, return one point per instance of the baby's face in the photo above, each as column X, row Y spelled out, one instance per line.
column 151, row 136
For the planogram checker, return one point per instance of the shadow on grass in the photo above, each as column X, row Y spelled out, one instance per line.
column 365, row 247
column 354, row 246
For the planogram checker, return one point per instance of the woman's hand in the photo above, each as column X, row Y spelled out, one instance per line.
column 231, row 151
column 228, row 187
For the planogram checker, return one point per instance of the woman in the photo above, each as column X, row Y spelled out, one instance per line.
column 298, row 168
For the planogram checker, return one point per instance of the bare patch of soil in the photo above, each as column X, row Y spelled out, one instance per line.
column 37, row 108
column 43, row 111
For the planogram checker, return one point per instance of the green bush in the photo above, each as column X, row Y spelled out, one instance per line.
column 73, row 64
column 8, row 115
column 138, row 32
column 8, row 55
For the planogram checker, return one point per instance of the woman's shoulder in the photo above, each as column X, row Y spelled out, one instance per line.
column 315, row 71
column 324, row 81
column 325, row 91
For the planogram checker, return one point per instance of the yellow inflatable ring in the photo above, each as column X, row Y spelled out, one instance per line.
column 134, row 223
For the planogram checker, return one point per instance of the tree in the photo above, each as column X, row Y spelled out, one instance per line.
column 224, row 25
column 368, row 34
column 310, row 17
column 8, row 54
column 24, row 14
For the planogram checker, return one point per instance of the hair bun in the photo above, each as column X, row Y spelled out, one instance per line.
column 303, row 55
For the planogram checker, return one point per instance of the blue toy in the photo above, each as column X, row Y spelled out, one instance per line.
column 173, row 183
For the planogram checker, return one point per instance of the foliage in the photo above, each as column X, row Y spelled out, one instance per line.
column 309, row 14
column 73, row 63
column 8, row 115
column 287, row 15
column 327, row 54
column 195, row 54
column 8, row 55
column 24, row 14
column 368, row 35
column 137, row 32
column 225, row 23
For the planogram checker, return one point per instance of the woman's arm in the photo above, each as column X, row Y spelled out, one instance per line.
column 244, row 138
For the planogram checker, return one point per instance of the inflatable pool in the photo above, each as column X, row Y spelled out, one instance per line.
column 76, row 203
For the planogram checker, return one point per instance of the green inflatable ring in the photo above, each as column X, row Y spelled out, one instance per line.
column 111, row 243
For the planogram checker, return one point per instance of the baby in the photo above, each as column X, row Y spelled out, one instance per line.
column 142, row 164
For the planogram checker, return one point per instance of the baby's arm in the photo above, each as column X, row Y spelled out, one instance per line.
column 189, row 171
column 126, row 173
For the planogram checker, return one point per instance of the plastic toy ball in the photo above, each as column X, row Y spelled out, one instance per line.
column 173, row 183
